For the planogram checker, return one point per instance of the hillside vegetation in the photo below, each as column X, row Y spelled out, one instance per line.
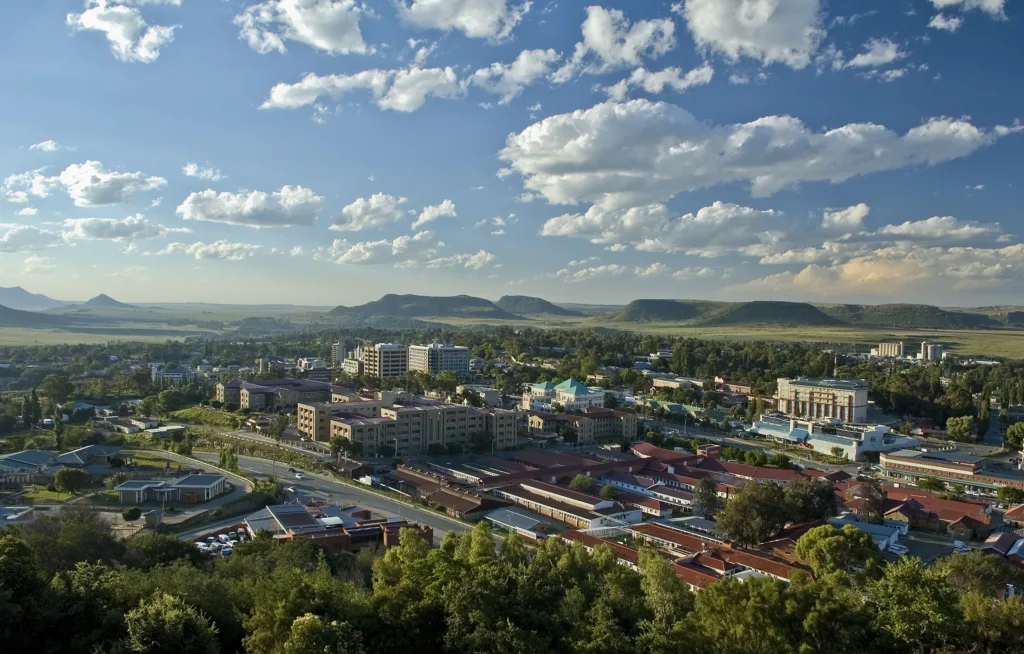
column 661, row 311
column 29, row 319
column 423, row 306
column 524, row 305
column 773, row 313
column 907, row 316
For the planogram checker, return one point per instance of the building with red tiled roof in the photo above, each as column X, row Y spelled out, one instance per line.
column 672, row 539
column 626, row 555
column 757, row 561
column 747, row 472
column 696, row 576
column 661, row 454
column 1015, row 515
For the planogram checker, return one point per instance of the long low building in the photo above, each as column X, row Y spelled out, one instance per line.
column 828, row 437
column 188, row 490
column 949, row 466
column 580, row 510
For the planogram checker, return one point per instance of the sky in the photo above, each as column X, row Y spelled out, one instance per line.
column 327, row 152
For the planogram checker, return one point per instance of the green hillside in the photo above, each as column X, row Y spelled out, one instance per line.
column 30, row 319
column 661, row 311
column 524, row 305
column 907, row 316
column 773, row 313
column 422, row 306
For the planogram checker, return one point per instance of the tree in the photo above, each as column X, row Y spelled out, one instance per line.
column 736, row 617
column 961, row 429
column 608, row 492
column 915, row 607
column 811, row 499
column 582, row 483
column 58, row 429
column 780, row 460
column 150, row 406
column 131, row 514
column 931, row 484
column 311, row 634
column 873, row 498
column 71, row 480
column 447, row 381
column 705, row 497
column 755, row 458
column 827, row 549
column 756, row 513
column 568, row 434
column 838, row 453
column 1010, row 495
column 228, row 458
column 166, row 624
column 979, row 572
column 1015, row 434
column 58, row 388
column 278, row 426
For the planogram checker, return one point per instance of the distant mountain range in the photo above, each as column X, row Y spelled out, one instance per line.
column 15, row 297
column 421, row 306
column 30, row 319
column 690, row 313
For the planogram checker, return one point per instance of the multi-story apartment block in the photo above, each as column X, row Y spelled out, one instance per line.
column 410, row 425
column 338, row 353
column 313, row 420
column 842, row 399
column 435, row 358
column 595, row 425
column 386, row 360
column 352, row 366
column 570, row 394
column 273, row 394
column 172, row 374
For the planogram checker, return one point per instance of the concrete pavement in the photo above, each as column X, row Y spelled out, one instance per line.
column 321, row 487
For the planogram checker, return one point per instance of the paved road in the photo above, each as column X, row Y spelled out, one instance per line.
column 319, row 487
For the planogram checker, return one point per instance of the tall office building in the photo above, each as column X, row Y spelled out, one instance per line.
column 337, row 353
column 890, row 350
column 845, row 399
column 385, row 360
column 435, row 358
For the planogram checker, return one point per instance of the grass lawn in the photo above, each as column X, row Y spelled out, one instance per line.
column 105, row 498
column 154, row 460
column 39, row 494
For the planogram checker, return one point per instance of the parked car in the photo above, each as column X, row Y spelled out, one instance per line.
column 226, row 552
column 223, row 538
column 233, row 537
column 896, row 548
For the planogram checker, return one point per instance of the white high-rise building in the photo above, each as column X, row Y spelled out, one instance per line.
column 435, row 358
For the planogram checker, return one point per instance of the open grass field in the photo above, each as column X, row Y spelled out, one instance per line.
column 154, row 460
column 1006, row 343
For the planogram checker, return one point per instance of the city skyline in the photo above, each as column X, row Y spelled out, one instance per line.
column 325, row 152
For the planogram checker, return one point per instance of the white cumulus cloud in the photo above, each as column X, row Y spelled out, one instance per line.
column 478, row 19
column 433, row 212
column 223, row 250
column 771, row 31
column 403, row 90
column 330, row 26
column 28, row 211
column 850, row 219
column 945, row 23
column 291, row 206
column 877, row 52
column 46, row 146
column 26, row 238
column 373, row 212
column 509, row 80
column 993, row 8
column 634, row 153
column 476, row 261
column 89, row 184
column 583, row 274
column 132, row 228
column 611, row 42
column 130, row 37
column 656, row 82
column 208, row 173
column 403, row 252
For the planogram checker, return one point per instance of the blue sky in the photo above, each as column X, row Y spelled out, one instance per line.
column 329, row 151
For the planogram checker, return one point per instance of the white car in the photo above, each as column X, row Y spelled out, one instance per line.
column 298, row 475
column 899, row 549
column 290, row 489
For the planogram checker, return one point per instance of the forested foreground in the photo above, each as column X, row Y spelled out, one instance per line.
column 66, row 586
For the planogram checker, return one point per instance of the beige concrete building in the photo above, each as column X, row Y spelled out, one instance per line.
column 352, row 366
column 489, row 396
column 386, row 360
column 314, row 420
column 842, row 399
column 412, row 426
column 598, row 424
column 890, row 350
column 272, row 394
